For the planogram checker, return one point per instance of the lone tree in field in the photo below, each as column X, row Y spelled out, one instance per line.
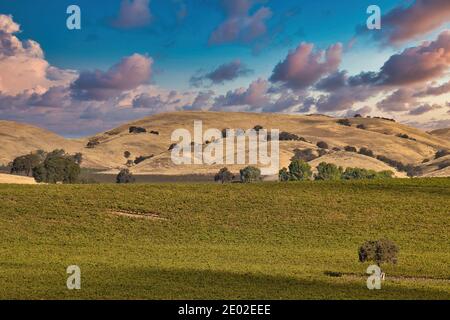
column 224, row 175
column 125, row 176
column 378, row 251
column 250, row 174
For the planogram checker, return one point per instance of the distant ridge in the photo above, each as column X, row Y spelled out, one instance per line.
column 387, row 138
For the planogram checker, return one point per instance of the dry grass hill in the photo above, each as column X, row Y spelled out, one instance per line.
column 442, row 133
column 379, row 135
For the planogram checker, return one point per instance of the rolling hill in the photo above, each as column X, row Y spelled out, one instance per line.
column 384, row 137
column 442, row 133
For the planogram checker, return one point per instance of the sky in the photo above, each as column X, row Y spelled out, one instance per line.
column 135, row 58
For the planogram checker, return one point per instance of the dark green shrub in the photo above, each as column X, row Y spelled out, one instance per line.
column 304, row 154
column 134, row 129
column 350, row 149
column 444, row 165
column 405, row 136
column 413, row 171
column 250, row 174
column 299, row 170
column 57, row 167
column 359, row 173
column 366, row 152
column 78, row 157
column 441, row 153
column 379, row 251
column 125, row 176
column 24, row 165
column 224, row 176
column 283, row 175
column 344, row 122
column 393, row 163
column 361, row 126
column 322, row 145
column 127, row 154
column 142, row 159
column 328, row 171
column 257, row 128
column 92, row 143
column 286, row 136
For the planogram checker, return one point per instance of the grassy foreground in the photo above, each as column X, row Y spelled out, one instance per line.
column 259, row 241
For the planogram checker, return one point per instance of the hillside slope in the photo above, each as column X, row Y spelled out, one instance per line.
column 442, row 133
column 17, row 139
column 381, row 136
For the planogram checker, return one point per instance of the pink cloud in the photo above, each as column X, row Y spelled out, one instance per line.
column 255, row 96
column 128, row 74
column 133, row 14
column 425, row 62
column 303, row 67
column 407, row 23
column 22, row 63
column 240, row 26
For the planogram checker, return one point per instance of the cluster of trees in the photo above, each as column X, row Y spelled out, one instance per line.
column 287, row 136
column 53, row 167
column 301, row 170
column 410, row 169
column 247, row 175
column 224, row 176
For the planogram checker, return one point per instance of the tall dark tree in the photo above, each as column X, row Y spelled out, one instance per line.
column 125, row 176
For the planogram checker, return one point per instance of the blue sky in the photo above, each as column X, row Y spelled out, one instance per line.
column 181, row 48
column 236, row 55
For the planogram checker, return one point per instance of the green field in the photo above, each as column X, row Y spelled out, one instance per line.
column 258, row 241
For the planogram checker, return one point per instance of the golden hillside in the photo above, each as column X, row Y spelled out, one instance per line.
column 442, row 133
column 377, row 134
